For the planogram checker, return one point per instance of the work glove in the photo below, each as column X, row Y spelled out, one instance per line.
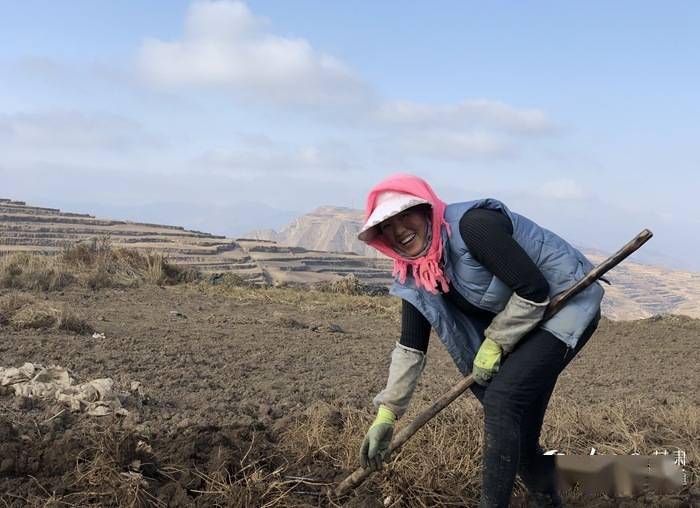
column 375, row 447
column 407, row 364
column 517, row 318
column 486, row 362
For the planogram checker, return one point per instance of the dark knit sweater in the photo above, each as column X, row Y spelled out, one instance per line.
column 488, row 236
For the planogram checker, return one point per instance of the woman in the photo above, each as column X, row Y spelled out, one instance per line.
column 481, row 276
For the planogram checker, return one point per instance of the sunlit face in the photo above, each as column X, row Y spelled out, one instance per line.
column 406, row 232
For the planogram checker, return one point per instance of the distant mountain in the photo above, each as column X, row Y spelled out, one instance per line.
column 328, row 228
column 638, row 290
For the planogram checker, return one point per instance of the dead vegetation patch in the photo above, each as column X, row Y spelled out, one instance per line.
column 37, row 315
column 70, row 322
column 23, row 311
column 95, row 264
column 229, row 280
column 441, row 465
column 310, row 299
column 351, row 285
column 34, row 272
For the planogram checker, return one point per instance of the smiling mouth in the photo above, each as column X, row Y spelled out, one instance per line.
column 408, row 239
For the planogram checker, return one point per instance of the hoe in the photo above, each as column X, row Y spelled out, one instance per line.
column 360, row 475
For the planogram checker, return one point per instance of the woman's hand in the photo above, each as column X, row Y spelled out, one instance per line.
column 486, row 362
column 375, row 447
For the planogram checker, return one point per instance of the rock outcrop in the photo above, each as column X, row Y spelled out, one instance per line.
column 328, row 228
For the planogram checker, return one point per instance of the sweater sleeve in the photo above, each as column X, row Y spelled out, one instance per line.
column 415, row 329
column 488, row 235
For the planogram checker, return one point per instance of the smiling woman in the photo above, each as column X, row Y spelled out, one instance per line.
column 481, row 276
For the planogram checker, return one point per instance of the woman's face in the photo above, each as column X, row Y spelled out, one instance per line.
column 406, row 232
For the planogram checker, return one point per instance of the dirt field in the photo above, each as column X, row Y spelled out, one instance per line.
column 260, row 398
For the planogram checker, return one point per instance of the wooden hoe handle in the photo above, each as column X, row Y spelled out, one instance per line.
column 557, row 302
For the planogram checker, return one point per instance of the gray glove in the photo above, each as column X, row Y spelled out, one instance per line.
column 518, row 317
column 406, row 367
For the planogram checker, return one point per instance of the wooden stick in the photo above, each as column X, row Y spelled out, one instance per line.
column 557, row 302
column 596, row 273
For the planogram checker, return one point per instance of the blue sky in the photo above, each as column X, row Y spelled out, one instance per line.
column 229, row 116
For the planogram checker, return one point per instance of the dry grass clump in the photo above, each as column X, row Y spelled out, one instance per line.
column 310, row 299
column 23, row 311
column 113, row 469
column 229, row 280
column 11, row 303
column 38, row 315
column 625, row 427
column 350, row 285
column 441, row 464
column 95, row 264
column 106, row 266
column 28, row 271
column 252, row 485
column 70, row 322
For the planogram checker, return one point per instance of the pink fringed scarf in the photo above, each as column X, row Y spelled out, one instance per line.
column 426, row 269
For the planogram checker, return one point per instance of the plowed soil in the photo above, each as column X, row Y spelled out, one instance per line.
column 223, row 378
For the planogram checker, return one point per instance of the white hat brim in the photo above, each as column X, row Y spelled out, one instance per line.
column 389, row 208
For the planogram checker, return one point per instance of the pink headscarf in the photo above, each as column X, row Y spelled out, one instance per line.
column 426, row 269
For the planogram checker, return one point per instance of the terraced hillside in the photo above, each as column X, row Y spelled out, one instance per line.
column 299, row 265
column 25, row 228
column 638, row 291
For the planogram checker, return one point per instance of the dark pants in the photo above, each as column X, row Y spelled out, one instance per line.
column 514, row 405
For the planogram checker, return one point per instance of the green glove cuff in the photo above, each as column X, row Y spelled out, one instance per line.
column 488, row 355
column 384, row 415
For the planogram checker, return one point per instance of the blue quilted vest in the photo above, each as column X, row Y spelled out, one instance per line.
column 560, row 263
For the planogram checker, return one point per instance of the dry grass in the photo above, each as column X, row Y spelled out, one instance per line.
column 37, row 315
column 23, row 311
column 113, row 469
column 27, row 271
column 310, row 299
column 70, row 322
column 95, row 264
column 251, row 485
column 349, row 285
column 11, row 303
column 440, row 466
column 229, row 280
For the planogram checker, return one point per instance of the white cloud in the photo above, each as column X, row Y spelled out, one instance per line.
column 470, row 129
column 254, row 160
column 71, row 130
column 455, row 145
column 226, row 45
column 466, row 114
column 563, row 189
